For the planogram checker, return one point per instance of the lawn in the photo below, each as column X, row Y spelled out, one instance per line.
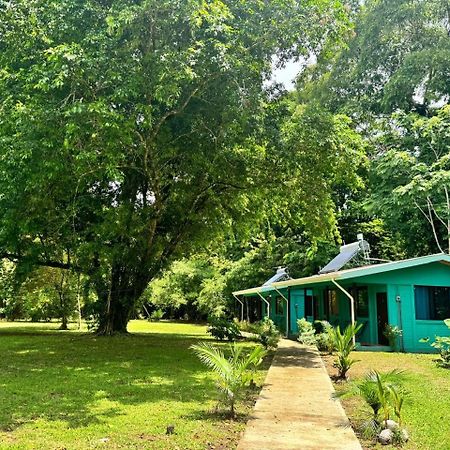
column 427, row 405
column 74, row 390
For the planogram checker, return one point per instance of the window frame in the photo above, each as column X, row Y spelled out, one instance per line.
column 431, row 308
column 279, row 305
column 333, row 302
column 358, row 290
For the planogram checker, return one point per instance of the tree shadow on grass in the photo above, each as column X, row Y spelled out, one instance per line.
column 83, row 380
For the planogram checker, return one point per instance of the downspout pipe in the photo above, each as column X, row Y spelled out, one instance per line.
column 352, row 305
column 287, row 310
column 268, row 305
column 242, row 306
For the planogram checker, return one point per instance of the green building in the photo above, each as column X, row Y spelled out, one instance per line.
column 413, row 294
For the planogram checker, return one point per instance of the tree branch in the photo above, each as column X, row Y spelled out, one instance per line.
column 40, row 262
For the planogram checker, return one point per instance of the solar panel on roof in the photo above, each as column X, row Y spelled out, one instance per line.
column 280, row 275
column 347, row 253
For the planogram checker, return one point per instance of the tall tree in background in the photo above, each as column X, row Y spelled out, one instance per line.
column 397, row 59
column 412, row 175
column 392, row 79
column 130, row 132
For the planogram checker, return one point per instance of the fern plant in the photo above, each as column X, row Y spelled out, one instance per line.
column 233, row 373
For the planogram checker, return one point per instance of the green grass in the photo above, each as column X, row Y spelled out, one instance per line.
column 427, row 404
column 77, row 391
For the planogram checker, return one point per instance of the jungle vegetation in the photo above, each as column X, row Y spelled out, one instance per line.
column 148, row 160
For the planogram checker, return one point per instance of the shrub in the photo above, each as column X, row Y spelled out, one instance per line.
column 393, row 333
column 343, row 343
column 233, row 373
column 442, row 344
column 324, row 336
column 156, row 315
column 321, row 326
column 246, row 326
column 268, row 334
column 222, row 329
column 306, row 332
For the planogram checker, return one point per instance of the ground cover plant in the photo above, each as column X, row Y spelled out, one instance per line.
column 74, row 390
column 426, row 405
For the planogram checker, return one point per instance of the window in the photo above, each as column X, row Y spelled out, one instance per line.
column 432, row 302
column 333, row 303
column 279, row 306
column 362, row 302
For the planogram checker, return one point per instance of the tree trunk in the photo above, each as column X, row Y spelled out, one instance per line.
column 63, row 325
column 119, row 301
column 116, row 317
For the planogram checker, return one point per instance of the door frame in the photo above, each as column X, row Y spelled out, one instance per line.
column 382, row 320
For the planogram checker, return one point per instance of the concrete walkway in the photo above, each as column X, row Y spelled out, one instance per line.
column 295, row 409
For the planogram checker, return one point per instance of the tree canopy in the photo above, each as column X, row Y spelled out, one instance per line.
column 132, row 132
column 146, row 151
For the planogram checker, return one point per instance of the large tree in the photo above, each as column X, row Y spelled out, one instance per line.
column 397, row 59
column 130, row 131
column 392, row 78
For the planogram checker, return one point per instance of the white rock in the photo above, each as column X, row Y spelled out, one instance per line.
column 405, row 435
column 385, row 436
column 391, row 425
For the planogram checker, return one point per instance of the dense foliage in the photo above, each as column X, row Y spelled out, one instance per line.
column 133, row 133
column 146, row 151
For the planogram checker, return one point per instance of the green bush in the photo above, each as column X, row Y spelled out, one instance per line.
column 233, row 373
column 343, row 343
column 324, row 336
column 222, row 329
column 393, row 333
column 268, row 334
column 384, row 394
column 156, row 315
column 321, row 326
column 306, row 332
column 246, row 326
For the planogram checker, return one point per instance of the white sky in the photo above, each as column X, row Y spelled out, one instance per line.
column 287, row 74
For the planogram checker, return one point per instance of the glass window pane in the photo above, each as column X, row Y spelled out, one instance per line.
column 432, row 302
column 362, row 302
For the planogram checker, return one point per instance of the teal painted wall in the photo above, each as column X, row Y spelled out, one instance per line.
column 401, row 302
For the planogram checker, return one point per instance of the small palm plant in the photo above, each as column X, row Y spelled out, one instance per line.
column 343, row 344
column 233, row 373
column 381, row 392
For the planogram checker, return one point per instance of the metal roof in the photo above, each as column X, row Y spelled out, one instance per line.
column 351, row 273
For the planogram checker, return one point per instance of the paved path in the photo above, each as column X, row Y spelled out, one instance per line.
column 295, row 409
